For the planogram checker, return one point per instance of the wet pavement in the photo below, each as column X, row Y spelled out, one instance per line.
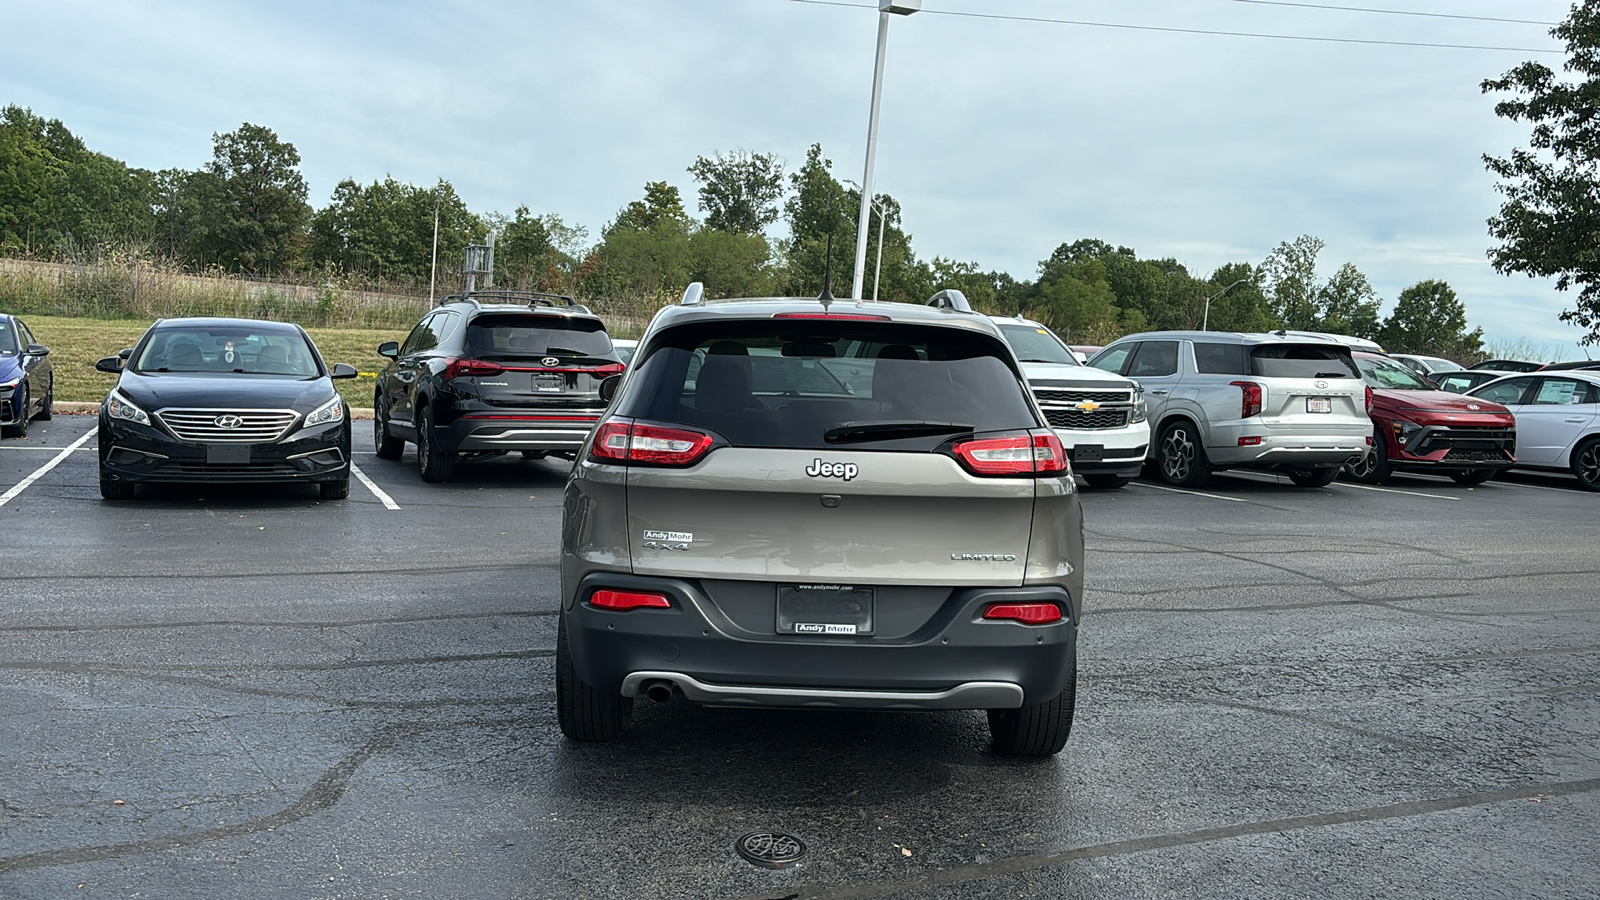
column 248, row 692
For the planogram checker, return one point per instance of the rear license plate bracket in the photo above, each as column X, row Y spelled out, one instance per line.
column 1319, row 404
column 825, row 609
column 228, row 454
column 1088, row 452
column 549, row 384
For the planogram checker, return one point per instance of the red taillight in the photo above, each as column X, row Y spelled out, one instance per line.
column 624, row 600
column 856, row 317
column 1027, row 453
column 1369, row 399
column 608, row 369
column 1250, row 402
column 462, row 367
column 625, row 441
column 1026, row 613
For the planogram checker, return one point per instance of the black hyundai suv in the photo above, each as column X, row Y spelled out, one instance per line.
column 489, row 372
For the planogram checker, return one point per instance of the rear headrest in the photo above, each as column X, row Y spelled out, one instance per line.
column 897, row 351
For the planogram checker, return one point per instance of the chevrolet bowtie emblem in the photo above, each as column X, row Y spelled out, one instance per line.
column 1088, row 406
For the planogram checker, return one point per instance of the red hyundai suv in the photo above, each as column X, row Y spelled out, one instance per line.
column 1420, row 428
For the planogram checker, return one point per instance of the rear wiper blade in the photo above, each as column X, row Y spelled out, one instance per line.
column 855, row 432
column 1331, row 375
column 550, row 350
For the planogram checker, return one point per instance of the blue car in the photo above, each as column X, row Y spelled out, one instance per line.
column 27, row 388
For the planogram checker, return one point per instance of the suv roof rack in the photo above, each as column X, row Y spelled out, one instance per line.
column 950, row 299
column 529, row 298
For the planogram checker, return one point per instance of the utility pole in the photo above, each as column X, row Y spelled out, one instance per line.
column 885, row 9
column 433, row 267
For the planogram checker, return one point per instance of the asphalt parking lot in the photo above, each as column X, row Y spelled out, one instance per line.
column 248, row 692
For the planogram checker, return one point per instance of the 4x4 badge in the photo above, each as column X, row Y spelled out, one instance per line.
column 820, row 469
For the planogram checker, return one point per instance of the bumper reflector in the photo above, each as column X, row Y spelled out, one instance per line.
column 1026, row 613
column 625, row 600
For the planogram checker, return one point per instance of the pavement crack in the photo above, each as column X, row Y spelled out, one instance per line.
column 1034, row 862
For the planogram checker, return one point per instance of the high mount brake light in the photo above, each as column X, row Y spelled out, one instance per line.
column 1250, row 401
column 625, row 441
column 458, row 368
column 853, row 317
column 1026, row 613
column 626, row 600
column 1026, row 453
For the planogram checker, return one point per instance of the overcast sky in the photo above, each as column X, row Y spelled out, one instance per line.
column 1002, row 139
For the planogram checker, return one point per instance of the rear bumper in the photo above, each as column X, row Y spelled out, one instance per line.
column 1285, row 448
column 517, row 431
column 956, row 661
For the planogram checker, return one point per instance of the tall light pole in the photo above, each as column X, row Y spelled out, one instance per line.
column 883, row 212
column 885, row 9
column 1205, row 320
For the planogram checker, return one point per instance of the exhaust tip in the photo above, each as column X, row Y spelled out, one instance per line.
column 659, row 691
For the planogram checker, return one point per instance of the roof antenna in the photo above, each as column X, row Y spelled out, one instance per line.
column 826, row 297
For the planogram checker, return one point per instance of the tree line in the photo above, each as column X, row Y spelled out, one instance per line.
column 247, row 210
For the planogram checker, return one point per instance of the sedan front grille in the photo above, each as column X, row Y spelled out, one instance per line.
column 1468, row 438
column 1099, row 419
column 228, row 426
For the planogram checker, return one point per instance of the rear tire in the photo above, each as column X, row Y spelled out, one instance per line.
column 1037, row 730
column 115, row 490
column 385, row 445
column 432, row 462
column 1309, row 478
column 1180, row 458
column 334, row 490
column 584, row 713
column 47, row 409
column 1104, row 482
column 1586, row 464
column 1471, row 476
column 1373, row 468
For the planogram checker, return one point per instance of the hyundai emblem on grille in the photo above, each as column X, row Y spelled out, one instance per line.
column 228, row 421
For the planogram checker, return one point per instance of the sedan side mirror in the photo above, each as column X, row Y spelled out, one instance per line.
column 390, row 349
column 608, row 387
column 38, row 350
column 343, row 370
column 112, row 364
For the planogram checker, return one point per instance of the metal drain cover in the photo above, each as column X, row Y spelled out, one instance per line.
column 771, row 849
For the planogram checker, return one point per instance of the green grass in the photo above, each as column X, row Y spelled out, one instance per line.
column 75, row 345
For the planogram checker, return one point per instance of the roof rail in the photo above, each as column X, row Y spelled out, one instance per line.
column 693, row 295
column 950, row 299
column 530, row 298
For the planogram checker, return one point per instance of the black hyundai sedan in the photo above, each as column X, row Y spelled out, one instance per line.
column 223, row 400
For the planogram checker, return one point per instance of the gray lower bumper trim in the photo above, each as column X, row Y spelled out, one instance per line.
column 970, row 695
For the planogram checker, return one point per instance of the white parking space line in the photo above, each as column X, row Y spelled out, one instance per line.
column 1368, row 487
column 378, row 492
column 1182, row 491
column 1572, row 491
column 40, row 472
column 30, row 447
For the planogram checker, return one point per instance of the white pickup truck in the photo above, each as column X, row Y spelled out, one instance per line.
column 1100, row 416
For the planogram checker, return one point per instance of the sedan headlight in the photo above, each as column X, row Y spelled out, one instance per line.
column 331, row 411
column 8, row 385
column 120, row 407
column 1141, row 410
column 1403, row 430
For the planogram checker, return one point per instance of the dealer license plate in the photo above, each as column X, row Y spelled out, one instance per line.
column 549, row 384
column 825, row 609
column 1319, row 404
column 228, row 454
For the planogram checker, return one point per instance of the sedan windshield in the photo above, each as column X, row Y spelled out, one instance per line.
column 236, row 349
column 1036, row 344
column 1388, row 374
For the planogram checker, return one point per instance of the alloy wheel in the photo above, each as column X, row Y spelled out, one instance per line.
column 1588, row 467
column 1177, row 455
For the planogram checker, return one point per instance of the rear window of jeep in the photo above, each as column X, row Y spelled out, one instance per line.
column 788, row 384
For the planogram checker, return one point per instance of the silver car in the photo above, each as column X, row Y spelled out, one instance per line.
column 748, row 528
column 1217, row 400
